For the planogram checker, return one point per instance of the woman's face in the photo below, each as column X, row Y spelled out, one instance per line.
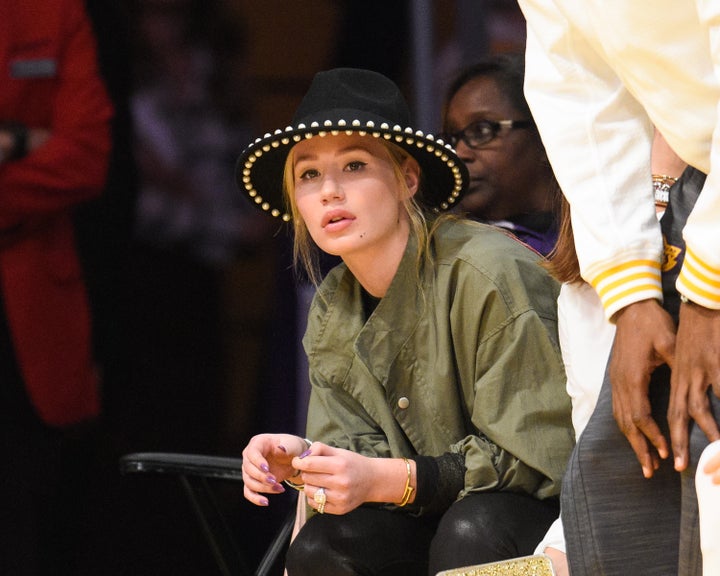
column 506, row 172
column 348, row 195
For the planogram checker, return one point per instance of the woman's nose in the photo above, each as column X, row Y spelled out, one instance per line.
column 465, row 153
column 331, row 189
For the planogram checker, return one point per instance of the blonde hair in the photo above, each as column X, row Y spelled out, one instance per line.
column 306, row 252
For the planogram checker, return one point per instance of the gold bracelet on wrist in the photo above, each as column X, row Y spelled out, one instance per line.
column 407, row 493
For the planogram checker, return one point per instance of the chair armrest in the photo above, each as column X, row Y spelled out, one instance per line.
column 193, row 471
column 182, row 465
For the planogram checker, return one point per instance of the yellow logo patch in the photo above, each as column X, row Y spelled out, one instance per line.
column 670, row 255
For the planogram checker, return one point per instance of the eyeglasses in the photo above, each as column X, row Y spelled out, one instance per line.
column 481, row 132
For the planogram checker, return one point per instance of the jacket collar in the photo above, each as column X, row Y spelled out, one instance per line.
column 379, row 340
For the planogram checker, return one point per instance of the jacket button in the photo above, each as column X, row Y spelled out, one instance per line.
column 403, row 402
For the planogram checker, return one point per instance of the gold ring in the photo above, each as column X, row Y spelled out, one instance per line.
column 321, row 509
column 320, row 499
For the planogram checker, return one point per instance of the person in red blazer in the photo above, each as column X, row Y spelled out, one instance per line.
column 54, row 150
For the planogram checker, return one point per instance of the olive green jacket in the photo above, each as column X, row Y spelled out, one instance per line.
column 460, row 357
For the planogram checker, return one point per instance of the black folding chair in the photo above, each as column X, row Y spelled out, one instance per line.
column 195, row 473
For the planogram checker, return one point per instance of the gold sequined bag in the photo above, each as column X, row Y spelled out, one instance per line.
column 537, row 565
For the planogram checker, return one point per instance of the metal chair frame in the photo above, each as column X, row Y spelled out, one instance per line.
column 195, row 473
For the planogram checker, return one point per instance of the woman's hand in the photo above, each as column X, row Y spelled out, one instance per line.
column 345, row 476
column 559, row 561
column 349, row 479
column 267, row 461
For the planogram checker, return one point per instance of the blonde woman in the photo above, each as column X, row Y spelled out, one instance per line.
column 438, row 420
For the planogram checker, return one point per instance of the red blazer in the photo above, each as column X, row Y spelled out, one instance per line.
column 50, row 79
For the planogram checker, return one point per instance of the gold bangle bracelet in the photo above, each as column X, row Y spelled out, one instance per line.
column 408, row 489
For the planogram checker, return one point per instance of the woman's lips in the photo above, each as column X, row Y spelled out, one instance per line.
column 336, row 219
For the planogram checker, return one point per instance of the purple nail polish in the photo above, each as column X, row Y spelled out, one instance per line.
column 279, row 488
column 306, row 453
column 265, row 468
column 270, row 479
column 264, row 502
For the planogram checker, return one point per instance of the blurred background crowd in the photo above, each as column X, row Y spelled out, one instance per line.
column 196, row 312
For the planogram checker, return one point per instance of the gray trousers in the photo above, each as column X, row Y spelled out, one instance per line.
column 617, row 522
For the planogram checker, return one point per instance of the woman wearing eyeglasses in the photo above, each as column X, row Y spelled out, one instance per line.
column 487, row 120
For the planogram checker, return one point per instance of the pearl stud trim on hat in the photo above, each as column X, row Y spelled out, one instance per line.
column 350, row 101
column 407, row 137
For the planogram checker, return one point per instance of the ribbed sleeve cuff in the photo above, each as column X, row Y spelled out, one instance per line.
column 439, row 480
column 628, row 283
column 699, row 281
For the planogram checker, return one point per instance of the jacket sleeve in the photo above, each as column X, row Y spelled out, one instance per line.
column 699, row 278
column 598, row 139
column 516, row 394
column 74, row 107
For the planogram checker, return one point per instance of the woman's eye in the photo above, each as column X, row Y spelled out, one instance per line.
column 355, row 166
column 309, row 174
column 481, row 129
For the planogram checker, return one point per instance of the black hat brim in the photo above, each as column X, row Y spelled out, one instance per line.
column 260, row 167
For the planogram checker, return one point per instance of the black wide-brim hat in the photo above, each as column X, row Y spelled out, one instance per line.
column 351, row 101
